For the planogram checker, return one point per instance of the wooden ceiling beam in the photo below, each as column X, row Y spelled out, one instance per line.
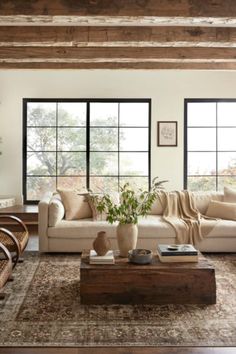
column 160, row 8
column 117, row 36
column 128, row 65
column 115, row 53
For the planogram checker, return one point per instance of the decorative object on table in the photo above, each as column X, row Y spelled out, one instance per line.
column 167, row 132
column 177, row 253
column 101, row 244
column 132, row 205
column 140, row 256
column 108, row 258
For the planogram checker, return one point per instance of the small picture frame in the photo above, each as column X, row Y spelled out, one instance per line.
column 167, row 132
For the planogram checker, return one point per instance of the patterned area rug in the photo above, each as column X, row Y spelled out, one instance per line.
column 42, row 307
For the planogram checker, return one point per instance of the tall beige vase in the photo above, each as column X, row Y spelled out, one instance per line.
column 127, row 235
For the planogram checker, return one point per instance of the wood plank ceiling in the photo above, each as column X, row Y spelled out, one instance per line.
column 115, row 34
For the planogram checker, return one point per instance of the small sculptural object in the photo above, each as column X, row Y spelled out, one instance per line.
column 101, row 244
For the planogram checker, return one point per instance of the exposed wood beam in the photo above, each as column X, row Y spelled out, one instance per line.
column 117, row 36
column 113, row 65
column 160, row 8
column 45, row 53
column 41, row 20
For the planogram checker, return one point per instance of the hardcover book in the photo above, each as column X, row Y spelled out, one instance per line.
column 177, row 250
column 180, row 259
column 107, row 259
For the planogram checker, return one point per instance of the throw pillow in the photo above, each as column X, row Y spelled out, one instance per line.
column 221, row 210
column 76, row 205
column 229, row 195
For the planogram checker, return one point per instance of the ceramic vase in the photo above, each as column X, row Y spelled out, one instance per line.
column 127, row 235
column 101, row 244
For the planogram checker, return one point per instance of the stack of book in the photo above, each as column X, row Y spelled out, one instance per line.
column 177, row 253
column 107, row 259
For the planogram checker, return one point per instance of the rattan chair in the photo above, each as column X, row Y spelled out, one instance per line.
column 5, row 268
column 8, row 239
column 21, row 236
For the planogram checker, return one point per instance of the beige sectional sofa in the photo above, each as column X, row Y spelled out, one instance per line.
column 59, row 235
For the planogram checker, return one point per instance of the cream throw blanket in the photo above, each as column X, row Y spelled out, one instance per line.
column 180, row 212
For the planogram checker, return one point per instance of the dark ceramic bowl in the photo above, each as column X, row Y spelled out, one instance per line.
column 140, row 256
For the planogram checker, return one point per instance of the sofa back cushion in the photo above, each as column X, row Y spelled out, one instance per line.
column 157, row 208
column 56, row 211
column 92, row 200
column 202, row 199
column 76, row 206
column 229, row 195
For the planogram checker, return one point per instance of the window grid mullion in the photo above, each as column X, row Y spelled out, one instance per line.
column 88, row 146
column 56, row 145
column 217, row 146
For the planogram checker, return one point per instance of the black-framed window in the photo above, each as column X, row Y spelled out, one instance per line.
column 210, row 144
column 85, row 143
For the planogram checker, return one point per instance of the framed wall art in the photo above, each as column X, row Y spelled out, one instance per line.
column 167, row 132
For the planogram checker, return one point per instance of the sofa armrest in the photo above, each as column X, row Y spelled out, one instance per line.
column 43, row 223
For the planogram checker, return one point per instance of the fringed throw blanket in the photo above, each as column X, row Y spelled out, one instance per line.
column 180, row 212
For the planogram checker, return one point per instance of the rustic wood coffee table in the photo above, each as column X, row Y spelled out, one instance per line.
column 155, row 283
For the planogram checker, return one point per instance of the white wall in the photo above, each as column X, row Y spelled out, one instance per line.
column 167, row 89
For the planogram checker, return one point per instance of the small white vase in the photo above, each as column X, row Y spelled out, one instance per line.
column 127, row 235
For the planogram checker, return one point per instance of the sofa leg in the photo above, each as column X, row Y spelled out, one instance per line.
column 20, row 260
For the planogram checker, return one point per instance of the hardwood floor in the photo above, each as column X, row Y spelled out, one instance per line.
column 120, row 350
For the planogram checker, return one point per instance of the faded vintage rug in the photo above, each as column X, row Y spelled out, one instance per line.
column 42, row 307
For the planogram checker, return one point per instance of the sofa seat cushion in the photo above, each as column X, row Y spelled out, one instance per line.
column 150, row 226
column 223, row 228
column 84, row 228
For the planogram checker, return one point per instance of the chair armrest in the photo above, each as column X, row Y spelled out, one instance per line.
column 16, row 243
column 15, row 218
column 5, row 251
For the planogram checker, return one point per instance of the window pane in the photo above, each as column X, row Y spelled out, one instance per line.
column 226, row 113
column 77, row 182
column 228, row 181
column 104, row 163
column 201, row 139
column 134, row 114
column 104, row 139
column 201, row 163
column 227, row 163
column 37, row 187
column 132, row 139
column 134, row 163
column 135, row 182
column 104, row 113
column 204, row 183
column 41, row 114
column 41, row 139
column 72, row 113
column 73, row 163
column 104, row 184
column 227, row 139
column 201, row 114
column 72, row 139
column 41, row 163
